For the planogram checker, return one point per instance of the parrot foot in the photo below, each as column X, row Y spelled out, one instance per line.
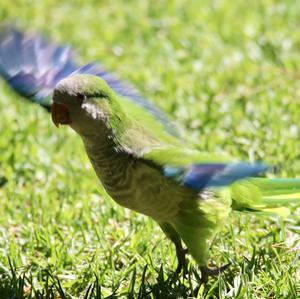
column 206, row 272
column 181, row 257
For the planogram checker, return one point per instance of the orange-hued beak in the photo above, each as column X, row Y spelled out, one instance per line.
column 60, row 114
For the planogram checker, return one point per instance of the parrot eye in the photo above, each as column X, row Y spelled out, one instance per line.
column 81, row 98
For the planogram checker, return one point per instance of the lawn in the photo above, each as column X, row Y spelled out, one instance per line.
column 228, row 73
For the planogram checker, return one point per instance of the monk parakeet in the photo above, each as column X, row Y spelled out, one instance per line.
column 139, row 159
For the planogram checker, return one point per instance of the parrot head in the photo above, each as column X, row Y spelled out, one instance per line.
column 83, row 102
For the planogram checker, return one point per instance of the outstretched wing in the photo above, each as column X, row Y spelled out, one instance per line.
column 146, row 138
column 199, row 170
column 33, row 66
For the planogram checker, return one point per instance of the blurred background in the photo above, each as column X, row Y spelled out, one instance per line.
column 227, row 72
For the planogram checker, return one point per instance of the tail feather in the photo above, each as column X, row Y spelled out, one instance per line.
column 279, row 191
column 266, row 196
column 281, row 211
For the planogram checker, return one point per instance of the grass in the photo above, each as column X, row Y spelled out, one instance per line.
column 228, row 73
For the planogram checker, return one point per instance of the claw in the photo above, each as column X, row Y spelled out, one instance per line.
column 206, row 272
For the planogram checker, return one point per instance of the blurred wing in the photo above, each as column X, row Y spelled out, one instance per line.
column 32, row 67
column 198, row 170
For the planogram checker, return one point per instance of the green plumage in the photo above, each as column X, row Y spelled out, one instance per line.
column 129, row 150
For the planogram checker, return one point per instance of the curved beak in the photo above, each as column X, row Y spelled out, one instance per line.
column 60, row 114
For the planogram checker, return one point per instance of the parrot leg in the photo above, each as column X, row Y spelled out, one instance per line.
column 172, row 234
column 181, row 257
column 206, row 272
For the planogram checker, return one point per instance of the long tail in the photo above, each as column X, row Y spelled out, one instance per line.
column 265, row 195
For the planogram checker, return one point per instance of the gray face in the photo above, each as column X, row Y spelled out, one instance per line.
column 72, row 106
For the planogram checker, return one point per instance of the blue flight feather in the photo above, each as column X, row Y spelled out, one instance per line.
column 200, row 176
column 234, row 172
column 32, row 67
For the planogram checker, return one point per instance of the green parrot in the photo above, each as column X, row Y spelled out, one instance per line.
column 146, row 168
column 137, row 154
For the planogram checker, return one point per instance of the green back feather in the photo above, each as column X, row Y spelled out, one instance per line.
column 141, row 133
